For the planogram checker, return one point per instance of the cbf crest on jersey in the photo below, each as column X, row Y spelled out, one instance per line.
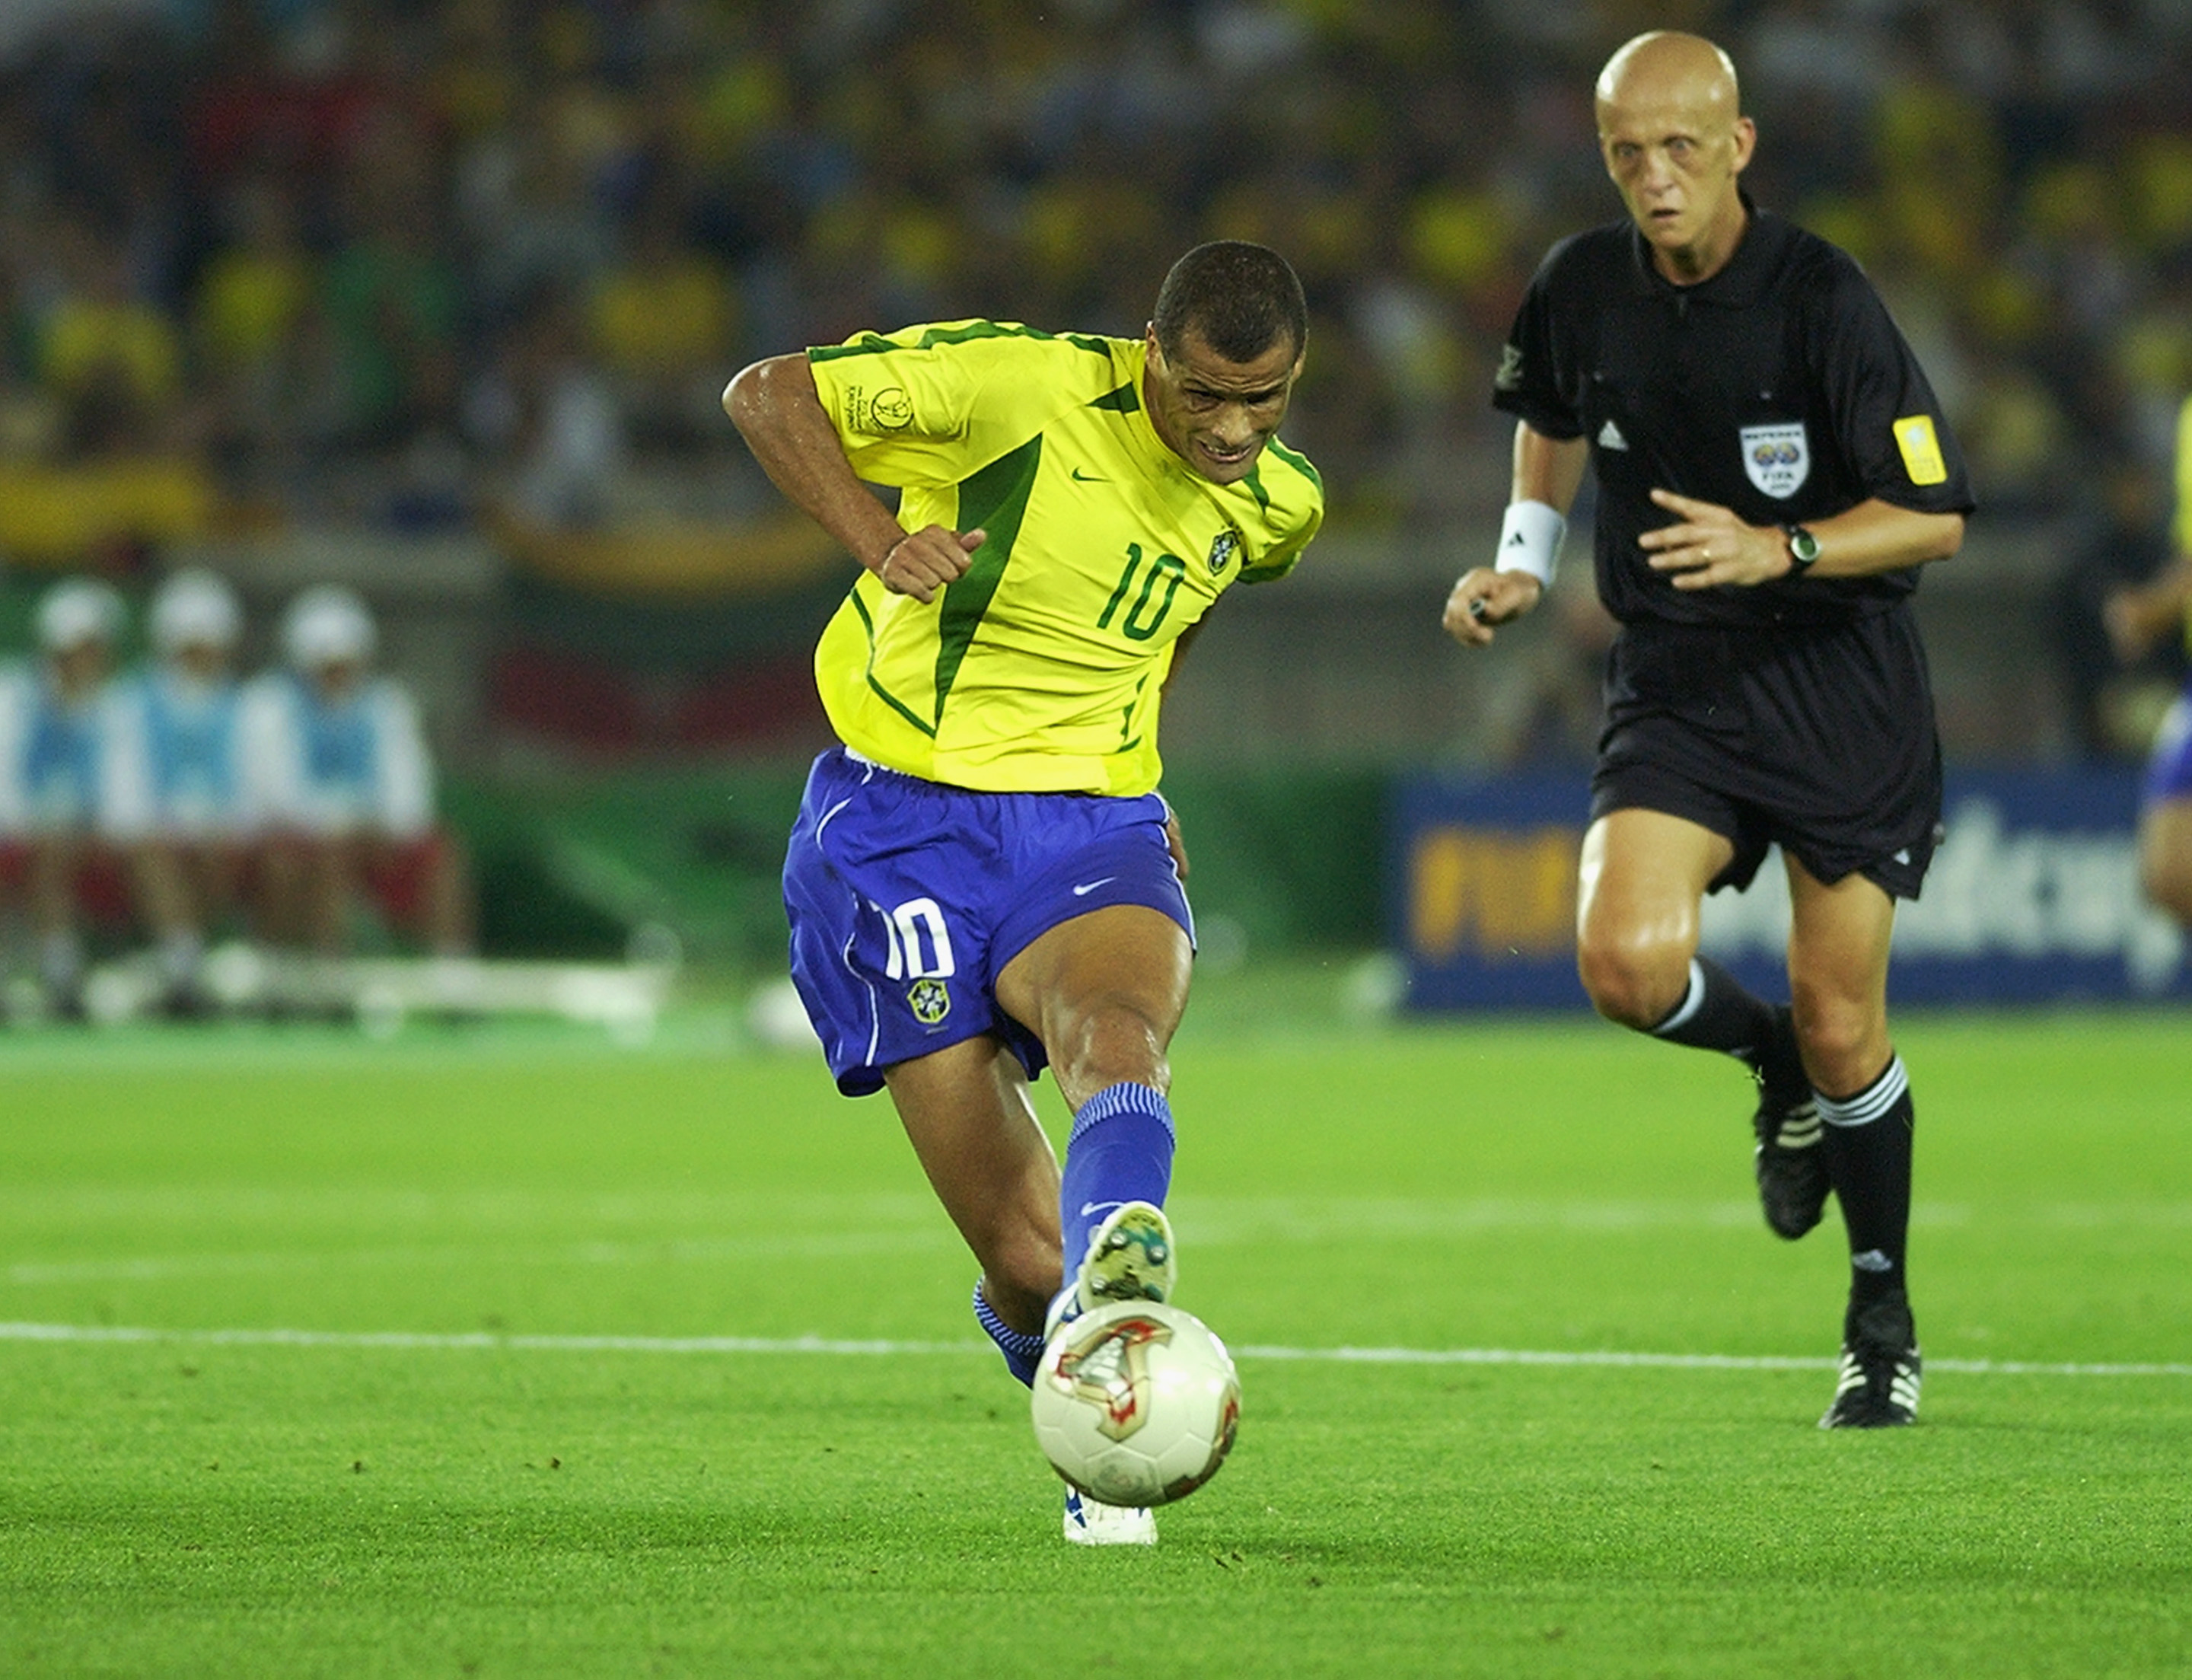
column 1777, row 458
column 1226, row 544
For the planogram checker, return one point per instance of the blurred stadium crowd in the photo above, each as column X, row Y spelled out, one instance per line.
column 484, row 267
column 257, row 256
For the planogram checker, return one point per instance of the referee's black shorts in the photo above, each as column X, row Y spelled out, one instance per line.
column 1820, row 740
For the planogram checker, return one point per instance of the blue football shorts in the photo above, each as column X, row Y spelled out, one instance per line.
column 907, row 898
column 2169, row 768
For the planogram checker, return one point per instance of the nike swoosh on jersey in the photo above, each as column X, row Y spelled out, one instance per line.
column 1081, row 477
column 1088, row 887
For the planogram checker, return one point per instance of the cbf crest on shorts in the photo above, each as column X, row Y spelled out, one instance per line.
column 1777, row 458
column 930, row 1000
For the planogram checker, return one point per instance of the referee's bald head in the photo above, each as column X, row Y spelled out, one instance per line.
column 1675, row 143
column 1666, row 66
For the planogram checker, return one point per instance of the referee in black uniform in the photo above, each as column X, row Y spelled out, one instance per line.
column 1773, row 469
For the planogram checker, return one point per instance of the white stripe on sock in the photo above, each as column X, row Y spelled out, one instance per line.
column 1870, row 1104
column 1692, row 1001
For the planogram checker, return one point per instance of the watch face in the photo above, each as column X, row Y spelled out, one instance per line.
column 1803, row 546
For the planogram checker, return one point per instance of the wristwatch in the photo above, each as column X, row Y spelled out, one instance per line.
column 1803, row 549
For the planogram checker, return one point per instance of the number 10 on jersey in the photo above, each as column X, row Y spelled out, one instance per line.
column 1141, row 622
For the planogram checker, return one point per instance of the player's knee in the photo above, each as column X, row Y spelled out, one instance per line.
column 1634, row 982
column 1111, row 1043
column 1844, row 1043
column 2167, row 881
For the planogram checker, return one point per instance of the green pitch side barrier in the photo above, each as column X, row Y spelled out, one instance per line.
column 1282, row 858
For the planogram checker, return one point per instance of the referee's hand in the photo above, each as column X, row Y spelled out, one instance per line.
column 1709, row 546
column 1485, row 598
column 921, row 563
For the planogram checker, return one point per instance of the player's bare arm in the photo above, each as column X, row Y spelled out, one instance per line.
column 2140, row 618
column 1547, row 471
column 777, row 410
column 1707, row 545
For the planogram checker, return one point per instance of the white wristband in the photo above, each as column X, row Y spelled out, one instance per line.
column 1529, row 540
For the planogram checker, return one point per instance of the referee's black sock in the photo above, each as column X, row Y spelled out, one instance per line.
column 1867, row 1141
column 1718, row 1013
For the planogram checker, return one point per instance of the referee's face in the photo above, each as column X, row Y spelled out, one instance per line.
column 1674, row 150
column 1215, row 414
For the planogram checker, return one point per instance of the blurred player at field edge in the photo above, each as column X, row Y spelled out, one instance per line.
column 2138, row 621
column 343, row 790
column 177, row 792
column 1773, row 470
column 56, row 763
column 983, row 878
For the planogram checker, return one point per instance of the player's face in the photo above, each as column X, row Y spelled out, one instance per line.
column 1674, row 154
column 337, row 679
column 81, row 667
column 201, row 661
column 1215, row 415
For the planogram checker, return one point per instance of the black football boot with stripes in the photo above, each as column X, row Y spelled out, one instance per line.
column 1877, row 1386
column 1791, row 1166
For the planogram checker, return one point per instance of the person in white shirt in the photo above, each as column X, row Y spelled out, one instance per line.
column 340, row 784
column 175, row 793
column 56, row 763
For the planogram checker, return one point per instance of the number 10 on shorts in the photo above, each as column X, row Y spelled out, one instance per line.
column 916, row 923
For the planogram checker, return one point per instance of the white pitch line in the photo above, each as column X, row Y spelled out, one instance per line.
column 489, row 1341
column 161, row 1267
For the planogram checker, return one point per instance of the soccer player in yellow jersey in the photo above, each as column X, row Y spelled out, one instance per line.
column 2138, row 620
column 983, row 878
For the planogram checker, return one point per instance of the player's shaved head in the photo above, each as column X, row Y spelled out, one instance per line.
column 1239, row 298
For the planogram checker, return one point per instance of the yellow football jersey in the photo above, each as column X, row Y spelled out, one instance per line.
column 1039, row 671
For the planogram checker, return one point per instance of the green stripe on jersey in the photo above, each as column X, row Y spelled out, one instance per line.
column 880, row 692
column 1299, row 462
column 993, row 501
column 1124, row 400
column 875, row 344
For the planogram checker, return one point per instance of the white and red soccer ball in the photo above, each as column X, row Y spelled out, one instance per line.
column 1136, row 1403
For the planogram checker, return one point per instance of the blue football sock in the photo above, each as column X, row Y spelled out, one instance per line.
column 1120, row 1150
column 1023, row 1349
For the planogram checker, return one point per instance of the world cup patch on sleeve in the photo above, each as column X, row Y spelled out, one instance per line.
column 1777, row 458
column 873, row 413
column 1921, row 449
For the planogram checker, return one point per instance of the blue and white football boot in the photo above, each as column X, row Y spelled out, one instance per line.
column 1090, row 1524
column 1130, row 1257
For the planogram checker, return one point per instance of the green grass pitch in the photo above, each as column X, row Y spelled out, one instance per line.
column 492, row 1439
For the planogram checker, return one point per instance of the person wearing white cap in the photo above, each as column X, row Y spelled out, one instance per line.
column 176, row 794
column 341, row 782
column 56, row 729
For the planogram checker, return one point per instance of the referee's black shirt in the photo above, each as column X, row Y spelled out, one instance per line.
column 1779, row 388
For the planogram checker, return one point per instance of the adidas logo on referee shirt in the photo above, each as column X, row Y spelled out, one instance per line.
column 1610, row 437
